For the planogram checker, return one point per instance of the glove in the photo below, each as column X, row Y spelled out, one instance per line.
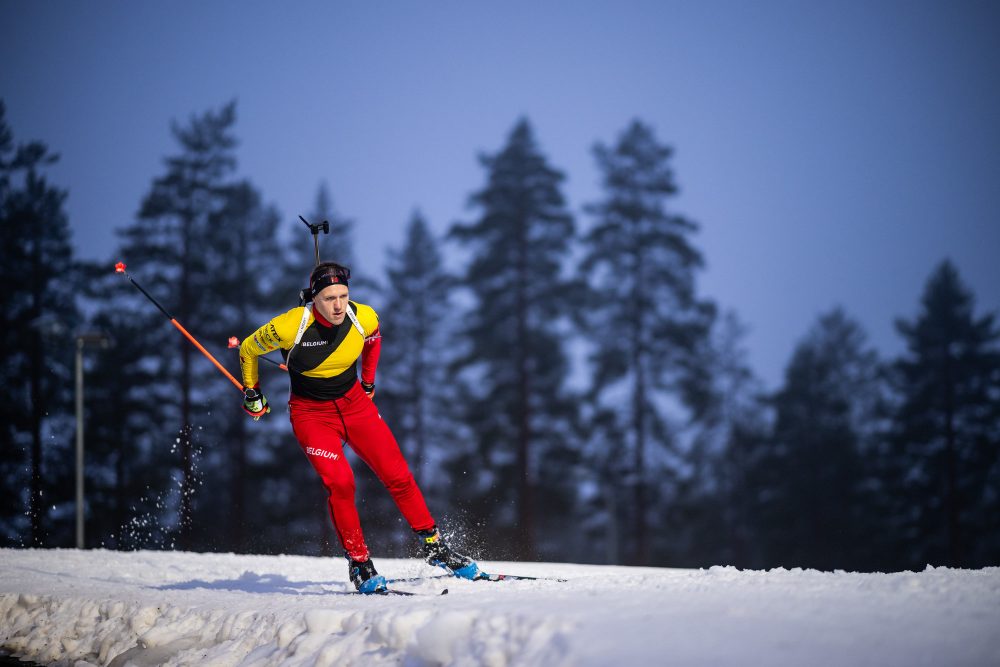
column 369, row 389
column 254, row 403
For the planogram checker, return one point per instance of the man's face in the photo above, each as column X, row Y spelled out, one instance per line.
column 331, row 303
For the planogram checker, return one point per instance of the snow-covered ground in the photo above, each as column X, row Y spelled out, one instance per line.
column 150, row 608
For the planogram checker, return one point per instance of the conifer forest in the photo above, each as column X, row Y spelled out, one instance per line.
column 562, row 387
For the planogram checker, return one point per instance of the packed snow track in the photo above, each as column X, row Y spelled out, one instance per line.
column 80, row 608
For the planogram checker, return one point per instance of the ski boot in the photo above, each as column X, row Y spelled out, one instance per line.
column 439, row 554
column 365, row 578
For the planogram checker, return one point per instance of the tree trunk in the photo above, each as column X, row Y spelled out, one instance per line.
column 36, row 363
column 525, row 509
column 525, row 501
column 239, row 471
column 186, row 434
column 419, row 402
column 37, row 415
column 951, row 456
column 121, row 495
column 237, row 489
column 612, row 546
column 640, row 529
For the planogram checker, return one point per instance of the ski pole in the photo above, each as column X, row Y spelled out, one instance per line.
column 120, row 268
column 234, row 343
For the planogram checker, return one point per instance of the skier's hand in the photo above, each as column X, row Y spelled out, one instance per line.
column 255, row 403
column 369, row 389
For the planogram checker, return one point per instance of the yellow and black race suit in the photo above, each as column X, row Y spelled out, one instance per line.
column 323, row 365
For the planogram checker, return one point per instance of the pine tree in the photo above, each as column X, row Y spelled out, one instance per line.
column 39, row 316
column 947, row 431
column 646, row 324
column 515, row 364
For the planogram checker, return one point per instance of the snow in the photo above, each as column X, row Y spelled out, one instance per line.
column 81, row 608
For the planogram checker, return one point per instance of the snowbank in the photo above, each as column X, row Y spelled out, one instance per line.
column 150, row 608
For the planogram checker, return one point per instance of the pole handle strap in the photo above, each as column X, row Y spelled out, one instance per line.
column 354, row 320
column 306, row 312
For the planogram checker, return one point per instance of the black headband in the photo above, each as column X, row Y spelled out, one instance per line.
column 338, row 276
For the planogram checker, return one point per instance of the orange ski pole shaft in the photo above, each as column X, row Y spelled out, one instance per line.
column 239, row 385
column 120, row 268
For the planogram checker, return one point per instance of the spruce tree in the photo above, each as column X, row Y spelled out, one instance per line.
column 127, row 481
column 713, row 515
column 336, row 245
column 412, row 391
column 418, row 304
column 39, row 320
column 514, row 366
column 167, row 248
column 809, row 508
column 415, row 391
column 946, row 440
column 242, row 240
column 645, row 322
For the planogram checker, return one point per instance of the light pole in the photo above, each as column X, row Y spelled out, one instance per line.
column 82, row 340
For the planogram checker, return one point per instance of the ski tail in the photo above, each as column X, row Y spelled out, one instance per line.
column 483, row 576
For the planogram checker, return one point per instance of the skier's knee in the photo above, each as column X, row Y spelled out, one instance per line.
column 399, row 482
column 340, row 486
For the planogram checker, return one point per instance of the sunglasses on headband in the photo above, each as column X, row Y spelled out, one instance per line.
column 337, row 276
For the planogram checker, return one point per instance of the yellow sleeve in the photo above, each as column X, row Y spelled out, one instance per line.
column 277, row 333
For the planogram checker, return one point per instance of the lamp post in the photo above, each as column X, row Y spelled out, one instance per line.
column 82, row 340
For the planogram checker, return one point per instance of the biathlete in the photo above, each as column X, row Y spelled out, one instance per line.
column 321, row 343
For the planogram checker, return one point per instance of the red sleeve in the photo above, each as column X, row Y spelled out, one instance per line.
column 369, row 356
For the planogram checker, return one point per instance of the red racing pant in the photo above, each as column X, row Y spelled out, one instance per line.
column 320, row 426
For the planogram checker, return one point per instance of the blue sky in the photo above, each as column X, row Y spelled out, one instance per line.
column 832, row 152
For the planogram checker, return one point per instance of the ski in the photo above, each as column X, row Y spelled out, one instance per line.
column 484, row 577
column 394, row 591
column 406, row 580
column 514, row 577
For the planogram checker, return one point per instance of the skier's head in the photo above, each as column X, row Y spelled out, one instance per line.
column 328, row 287
column 326, row 274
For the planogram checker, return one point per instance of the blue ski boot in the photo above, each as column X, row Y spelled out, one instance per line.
column 439, row 554
column 365, row 578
